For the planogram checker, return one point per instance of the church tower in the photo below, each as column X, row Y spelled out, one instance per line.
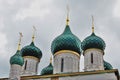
column 16, row 62
column 66, row 50
column 93, row 51
column 32, row 56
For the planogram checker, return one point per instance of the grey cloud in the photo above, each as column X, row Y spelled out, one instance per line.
column 53, row 24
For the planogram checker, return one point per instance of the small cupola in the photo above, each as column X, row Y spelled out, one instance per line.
column 17, row 58
column 31, row 50
column 93, row 41
column 48, row 70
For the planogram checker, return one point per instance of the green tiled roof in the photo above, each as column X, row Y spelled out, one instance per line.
column 47, row 70
column 17, row 59
column 107, row 66
column 31, row 50
column 66, row 41
column 93, row 41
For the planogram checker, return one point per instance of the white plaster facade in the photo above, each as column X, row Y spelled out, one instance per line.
column 70, row 63
column 15, row 71
column 96, row 63
column 30, row 66
column 105, row 76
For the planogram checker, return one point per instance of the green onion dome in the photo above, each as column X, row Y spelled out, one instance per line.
column 17, row 59
column 107, row 66
column 31, row 50
column 93, row 41
column 47, row 70
column 66, row 41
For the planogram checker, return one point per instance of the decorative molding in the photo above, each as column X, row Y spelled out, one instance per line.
column 67, row 51
column 32, row 57
column 93, row 49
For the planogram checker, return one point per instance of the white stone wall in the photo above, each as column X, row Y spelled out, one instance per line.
column 31, row 67
column 71, row 62
column 105, row 76
column 15, row 71
column 97, row 60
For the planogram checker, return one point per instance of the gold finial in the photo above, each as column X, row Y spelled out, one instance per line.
column 92, row 24
column 33, row 36
column 51, row 59
column 67, row 20
column 19, row 43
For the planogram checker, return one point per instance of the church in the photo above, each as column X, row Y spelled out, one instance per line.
column 65, row 64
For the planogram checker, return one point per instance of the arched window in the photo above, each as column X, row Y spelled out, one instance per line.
column 25, row 65
column 36, row 66
column 92, row 58
column 62, row 64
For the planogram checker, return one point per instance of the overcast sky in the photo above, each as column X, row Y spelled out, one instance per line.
column 49, row 18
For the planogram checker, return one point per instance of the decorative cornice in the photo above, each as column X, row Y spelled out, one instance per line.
column 67, row 51
column 32, row 57
column 93, row 49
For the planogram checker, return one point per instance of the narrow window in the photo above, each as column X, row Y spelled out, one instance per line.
column 62, row 64
column 36, row 67
column 25, row 64
column 92, row 58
